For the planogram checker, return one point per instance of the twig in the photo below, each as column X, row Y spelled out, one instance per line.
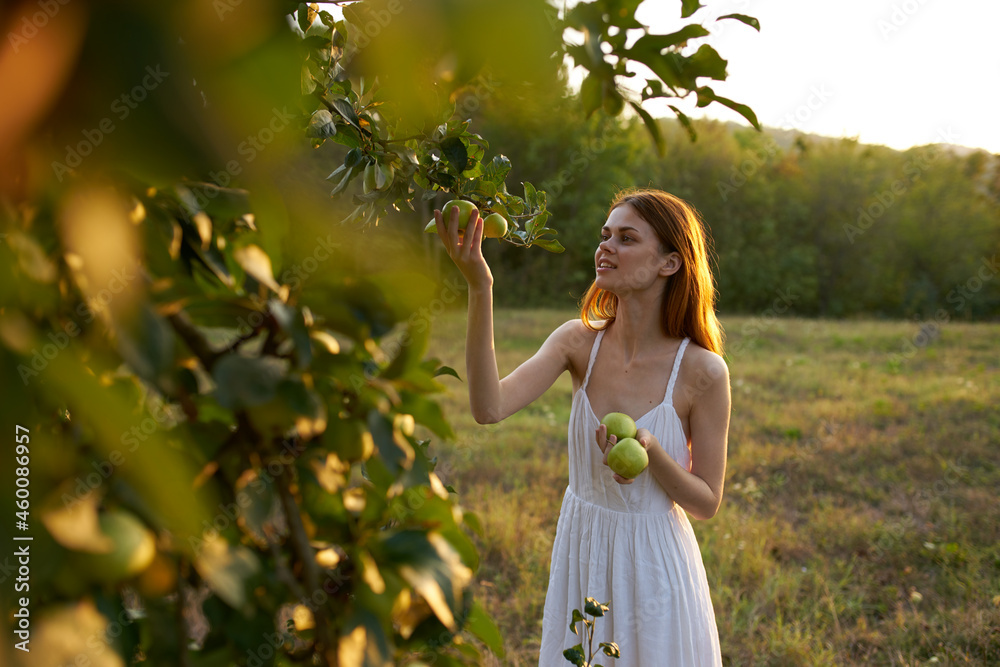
column 189, row 334
column 310, row 569
column 182, row 628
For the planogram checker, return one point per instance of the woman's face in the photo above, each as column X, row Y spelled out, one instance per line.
column 629, row 256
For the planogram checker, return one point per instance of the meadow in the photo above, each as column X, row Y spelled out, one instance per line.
column 860, row 523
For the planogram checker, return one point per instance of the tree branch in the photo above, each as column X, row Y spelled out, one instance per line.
column 189, row 334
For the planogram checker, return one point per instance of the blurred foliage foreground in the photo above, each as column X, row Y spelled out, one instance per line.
column 211, row 399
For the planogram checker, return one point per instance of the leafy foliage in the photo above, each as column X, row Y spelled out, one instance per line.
column 575, row 654
column 605, row 53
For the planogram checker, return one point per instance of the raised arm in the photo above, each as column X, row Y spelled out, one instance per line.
column 491, row 398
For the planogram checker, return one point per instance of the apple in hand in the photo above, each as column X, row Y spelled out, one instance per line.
column 628, row 458
column 465, row 209
column 619, row 425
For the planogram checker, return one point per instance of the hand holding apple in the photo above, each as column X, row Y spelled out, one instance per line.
column 627, row 457
column 464, row 242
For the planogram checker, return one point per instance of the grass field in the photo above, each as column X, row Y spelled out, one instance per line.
column 860, row 524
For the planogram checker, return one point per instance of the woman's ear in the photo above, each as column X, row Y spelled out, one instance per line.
column 671, row 265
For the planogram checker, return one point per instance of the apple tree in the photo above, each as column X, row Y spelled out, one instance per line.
column 218, row 399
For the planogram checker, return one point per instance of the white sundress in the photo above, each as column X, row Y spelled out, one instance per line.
column 632, row 546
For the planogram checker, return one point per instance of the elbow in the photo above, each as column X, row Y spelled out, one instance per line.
column 702, row 515
column 706, row 512
column 486, row 416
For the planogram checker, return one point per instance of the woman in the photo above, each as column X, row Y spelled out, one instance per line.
column 647, row 323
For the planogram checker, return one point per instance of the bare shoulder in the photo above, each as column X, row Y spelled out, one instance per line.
column 575, row 340
column 702, row 373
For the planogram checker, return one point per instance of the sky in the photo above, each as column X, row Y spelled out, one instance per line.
column 894, row 72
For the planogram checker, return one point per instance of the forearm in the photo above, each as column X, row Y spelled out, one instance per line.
column 684, row 487
column 480, row 357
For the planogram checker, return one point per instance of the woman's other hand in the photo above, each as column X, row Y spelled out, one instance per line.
column 644, row 436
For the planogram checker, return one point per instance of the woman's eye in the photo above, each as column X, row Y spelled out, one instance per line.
column 626, row 238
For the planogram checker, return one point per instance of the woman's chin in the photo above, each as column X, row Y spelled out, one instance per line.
column 605, row 282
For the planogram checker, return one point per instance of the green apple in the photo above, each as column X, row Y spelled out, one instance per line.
column 134, row 548
column 628, row 458
column 619, row 425
column 465, row 209
column 494, row 226
column 369, row 181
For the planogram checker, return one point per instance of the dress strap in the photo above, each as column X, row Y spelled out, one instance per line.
column 673, row 373
column 593, row 355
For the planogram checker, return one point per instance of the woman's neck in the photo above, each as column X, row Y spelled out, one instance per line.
column 637, row 328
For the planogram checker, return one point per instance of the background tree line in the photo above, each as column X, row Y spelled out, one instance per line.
column 834, row 227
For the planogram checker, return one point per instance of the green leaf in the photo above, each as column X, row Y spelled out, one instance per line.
column 591, row 94
column 577, row 617
column 660, row 42
column 307, row 83
column 594, row 608
column 686, row 122
column 292, row 322
column 530, row 194
column 749, row 20
column 226, row 568
column 257, row 500
column 706, row 96
column 575, row 655
column 146, row 343
column 653, row 126
column 496, row 171
column 611, row 649
column 427, row 412
column 321, row 125
column 455, row 152
column 689, row 7
column 302, row 13
column 395, row 452
column 347, row 112
column 580, row 55
column 256, row 263
column 481, row 626
column 363, row 636
column 243, row 382
column 536, row 223
column 706, row 61
column 552, row 245
column 447, row 370
column 354, row 158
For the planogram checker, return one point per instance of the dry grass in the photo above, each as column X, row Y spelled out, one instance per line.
column 861, row 523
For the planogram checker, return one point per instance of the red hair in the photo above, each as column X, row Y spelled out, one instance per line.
column 688, row 305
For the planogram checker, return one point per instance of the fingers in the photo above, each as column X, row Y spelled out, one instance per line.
column 477, row 234
column 604, row 441
column 622, row 480
column 645, row 438
column 453, row 223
